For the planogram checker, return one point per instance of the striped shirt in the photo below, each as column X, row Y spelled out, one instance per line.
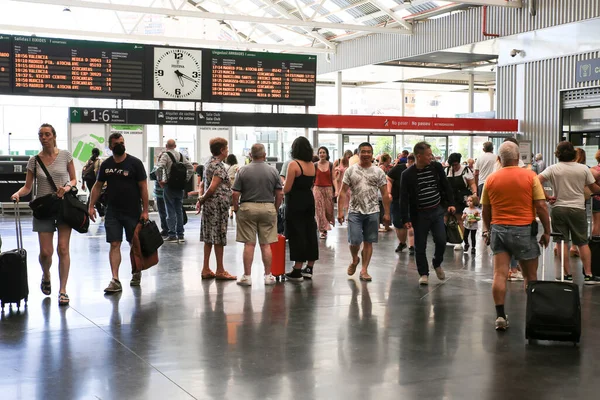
column 58, row 170
column 428, row 193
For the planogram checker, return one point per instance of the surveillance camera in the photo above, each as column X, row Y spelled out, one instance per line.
column 514, row 52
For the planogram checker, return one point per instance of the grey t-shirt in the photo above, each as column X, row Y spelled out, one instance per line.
column 365, row 184
column 284, row 168
column 58, row 170
column 257, row 182
column 569, row 180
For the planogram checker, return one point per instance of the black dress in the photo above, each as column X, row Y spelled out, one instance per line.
column 300, row 223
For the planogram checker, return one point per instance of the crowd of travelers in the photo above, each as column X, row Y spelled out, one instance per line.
column 496, row 194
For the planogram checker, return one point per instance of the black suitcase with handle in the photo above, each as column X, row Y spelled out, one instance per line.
column 553, row 308
column 595, row 249
column 13, row 270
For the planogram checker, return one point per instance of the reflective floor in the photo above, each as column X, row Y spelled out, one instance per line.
column 177, row 337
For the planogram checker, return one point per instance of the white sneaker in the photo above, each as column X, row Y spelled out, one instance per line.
column 424, row 280
column 458, row 247
column 269, row 279
column 501, row 323
column 439, row 272
column 245, row 280
column 518, row 276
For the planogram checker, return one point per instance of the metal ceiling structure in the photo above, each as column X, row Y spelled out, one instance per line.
column 311, row 26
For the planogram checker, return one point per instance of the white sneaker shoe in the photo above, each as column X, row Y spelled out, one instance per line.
column 245, row 280
column 439, row 272
column 502, row 323
column 458, row 247
column 424, row 280
column 269, row 280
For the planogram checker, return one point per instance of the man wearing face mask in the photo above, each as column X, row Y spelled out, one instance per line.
column 126, row 203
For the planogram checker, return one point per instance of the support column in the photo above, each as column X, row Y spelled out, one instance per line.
column 491, row 92
column 161, row 106
column 338, row 91
column 471, row 108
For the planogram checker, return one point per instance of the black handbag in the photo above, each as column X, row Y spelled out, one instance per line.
column 74, row 213
column 47, row 206
column 453, row 233
column 150, row 238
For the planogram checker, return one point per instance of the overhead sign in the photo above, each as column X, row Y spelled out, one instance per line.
column 65, row 67
column 417, row 123
column 80, row 115
column 588, row 70
column 5, row 64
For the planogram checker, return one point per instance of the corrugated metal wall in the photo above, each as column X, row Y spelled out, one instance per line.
column 458, row 29
column 536, row 102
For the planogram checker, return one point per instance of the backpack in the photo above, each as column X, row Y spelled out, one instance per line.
column 178, row 174
column 88, row 169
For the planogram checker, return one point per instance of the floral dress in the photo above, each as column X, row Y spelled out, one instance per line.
column 215, row 210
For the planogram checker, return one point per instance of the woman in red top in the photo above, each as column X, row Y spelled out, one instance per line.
column 323, row 192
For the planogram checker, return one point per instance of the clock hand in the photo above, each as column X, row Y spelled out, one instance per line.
column 179, row 75
column 187, row 77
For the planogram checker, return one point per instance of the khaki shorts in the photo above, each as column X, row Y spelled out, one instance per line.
column 256, row 218
column 571, row 223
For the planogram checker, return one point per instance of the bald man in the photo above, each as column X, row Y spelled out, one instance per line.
column 173, row 195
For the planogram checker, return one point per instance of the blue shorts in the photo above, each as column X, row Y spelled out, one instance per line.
column 363, row 228
column 514, row 240
column 115, row 222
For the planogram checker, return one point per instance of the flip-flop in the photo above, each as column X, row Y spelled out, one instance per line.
column 365, row 277
column 208, row 275
column 46, row 287
column 225, row 276
column 63, row 299
column 352, row 267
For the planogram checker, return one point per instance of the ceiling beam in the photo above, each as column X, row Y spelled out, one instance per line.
column 215, row 16
column 392, row 14
column 160, row 40
column 494, row 3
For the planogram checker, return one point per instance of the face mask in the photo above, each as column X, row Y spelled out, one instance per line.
column 119, row 149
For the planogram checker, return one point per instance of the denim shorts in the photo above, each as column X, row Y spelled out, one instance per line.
column 46, row 225
column 363, row 228
column 514, row 240
column 115, row 222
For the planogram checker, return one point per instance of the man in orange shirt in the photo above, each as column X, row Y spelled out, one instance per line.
column 511, row 197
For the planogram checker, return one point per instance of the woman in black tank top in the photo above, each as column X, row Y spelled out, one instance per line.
column 300, row 223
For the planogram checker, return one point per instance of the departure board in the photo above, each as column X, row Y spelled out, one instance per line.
column 5, row 64
column 268, row 78
column 77, row 68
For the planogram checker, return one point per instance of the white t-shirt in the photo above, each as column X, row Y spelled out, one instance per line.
column 486, row 165
column 568, row 180
column 365, row 184
column 468, row 175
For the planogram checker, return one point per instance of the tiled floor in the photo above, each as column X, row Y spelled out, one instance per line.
column 177, row 337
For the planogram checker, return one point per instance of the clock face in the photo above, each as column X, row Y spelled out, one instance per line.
column 177, row 73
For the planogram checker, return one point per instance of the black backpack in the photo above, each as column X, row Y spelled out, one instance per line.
column 178, row 173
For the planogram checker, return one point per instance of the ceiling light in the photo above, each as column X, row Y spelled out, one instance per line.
column 66, row 9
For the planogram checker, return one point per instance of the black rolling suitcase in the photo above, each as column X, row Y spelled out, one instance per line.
column 595, row 249
column 553, row 308
column 13, row 270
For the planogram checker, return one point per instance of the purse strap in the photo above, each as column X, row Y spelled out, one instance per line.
column 39, row 160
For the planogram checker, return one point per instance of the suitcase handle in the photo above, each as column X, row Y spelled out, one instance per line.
column 18, row 228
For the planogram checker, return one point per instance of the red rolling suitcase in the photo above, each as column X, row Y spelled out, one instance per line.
column 278, row 263
column 13, row 270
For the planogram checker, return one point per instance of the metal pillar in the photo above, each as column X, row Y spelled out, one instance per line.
column 491, row 92
column 471, row 108
column 160, row 127
column 338, row 90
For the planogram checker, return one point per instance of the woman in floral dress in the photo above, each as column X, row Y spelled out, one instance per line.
column 215, row 203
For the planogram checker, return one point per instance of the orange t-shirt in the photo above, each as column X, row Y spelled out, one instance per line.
column 511, row 192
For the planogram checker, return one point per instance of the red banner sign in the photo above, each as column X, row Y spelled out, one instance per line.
column 417, row 123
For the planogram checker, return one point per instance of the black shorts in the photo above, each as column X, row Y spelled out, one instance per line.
column 596, row 204
column 115, row 222
column 396, row 220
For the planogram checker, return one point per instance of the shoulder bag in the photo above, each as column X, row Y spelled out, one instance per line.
column 453, row 232
column 47, row 206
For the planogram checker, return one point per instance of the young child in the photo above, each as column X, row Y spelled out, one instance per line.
column 471, row 215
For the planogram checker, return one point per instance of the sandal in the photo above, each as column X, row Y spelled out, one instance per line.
column 225, row 276
column 46, row 287
column 352, row 267
column 208, row 275
column 63, row 299
column 365, row 277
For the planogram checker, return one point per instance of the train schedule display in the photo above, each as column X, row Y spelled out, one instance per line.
column 64, row 67
column 263, row 78
column 5, row 64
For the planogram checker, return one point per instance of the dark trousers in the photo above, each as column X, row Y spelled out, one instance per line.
column 162, row 213
column 473, row 233
column 174, row 205
column 479, row 190
column 423, row 222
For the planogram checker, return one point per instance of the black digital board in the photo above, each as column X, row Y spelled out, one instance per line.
column 5, row 64
column 77, row 68
column 232, row 76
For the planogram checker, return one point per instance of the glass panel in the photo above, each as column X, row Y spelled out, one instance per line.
column 351, row 142
column 407, row 142
column 459, row 144
column 382, row 144
column 478, row 142
column 439, row 147
column 497, row 141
